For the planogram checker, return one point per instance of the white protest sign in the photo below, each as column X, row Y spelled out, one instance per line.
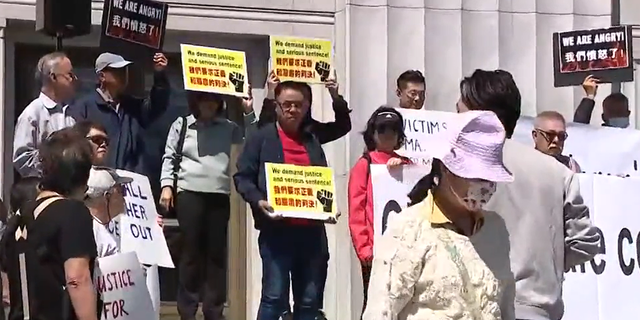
column 390, row 189
column 596, row 149
column 120, row 281
column 605, row 288
column 420, row 126
column 138, row 228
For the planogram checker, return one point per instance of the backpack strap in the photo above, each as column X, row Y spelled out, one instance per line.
column 177, row 157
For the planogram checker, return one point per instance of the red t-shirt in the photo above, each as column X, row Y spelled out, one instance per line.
column 294, row 153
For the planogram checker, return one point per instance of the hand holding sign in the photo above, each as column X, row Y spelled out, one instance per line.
column 237, row 79
column 160, row 62
column 323, row 69
column 333, row 86
column 590, row 86
column 326, row 199
column 267, row 209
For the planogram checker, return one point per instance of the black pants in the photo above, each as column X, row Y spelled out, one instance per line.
column 203, row 219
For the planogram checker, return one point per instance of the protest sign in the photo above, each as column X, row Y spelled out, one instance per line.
column 301, row 191
column 133, row 27
column 300, row 59
column 390, row 190
column 606, row 54
column 605, row 287
column 586, row 144
column 214, row 70
column 138, row 228
column 120, row 281
column 421, row 127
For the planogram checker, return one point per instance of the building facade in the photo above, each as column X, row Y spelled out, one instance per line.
column 374, row 41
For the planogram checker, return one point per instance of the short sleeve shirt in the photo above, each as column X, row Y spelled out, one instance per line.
column 62, row 231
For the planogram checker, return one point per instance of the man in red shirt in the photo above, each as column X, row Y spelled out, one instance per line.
column 293, row 251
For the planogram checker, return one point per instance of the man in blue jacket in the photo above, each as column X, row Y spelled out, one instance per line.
column 125, row 117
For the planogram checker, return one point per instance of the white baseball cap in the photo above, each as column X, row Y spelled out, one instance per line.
column 102, row 180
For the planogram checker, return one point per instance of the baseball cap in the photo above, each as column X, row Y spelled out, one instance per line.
column 102, row 180
column 110, row 60
column 471, row 147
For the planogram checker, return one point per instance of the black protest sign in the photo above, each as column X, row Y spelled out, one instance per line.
column 607, row 54
column 129, row 25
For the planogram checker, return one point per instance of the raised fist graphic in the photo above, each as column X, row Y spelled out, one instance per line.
column 326, row 199
column 237, row 79
column 323, row 69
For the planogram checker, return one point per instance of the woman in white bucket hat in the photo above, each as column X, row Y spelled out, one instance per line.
column 425, row 266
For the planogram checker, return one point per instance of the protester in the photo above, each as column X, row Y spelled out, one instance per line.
column 549, row 134
column 196, row 163
column 46, row 114
column 425, row 266
column 291, row 249
column 58, row 260
column 411, row 90
column 105, row 200
column 542, row 246
column 124, row 116
column 325, row 132
column 383, row 135
column 97, row 135
column 615, row 107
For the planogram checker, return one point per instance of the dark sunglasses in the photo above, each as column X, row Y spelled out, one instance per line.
column 550, row 136
column 99, row 140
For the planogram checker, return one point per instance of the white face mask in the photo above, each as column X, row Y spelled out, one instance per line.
column 478, row 194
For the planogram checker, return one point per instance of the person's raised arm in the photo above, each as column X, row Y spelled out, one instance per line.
column 585, row 108
column 582, row 240
column 327, row 132
column 157, row 103
column 25, row 139
column 78, row 251
column 249, row 115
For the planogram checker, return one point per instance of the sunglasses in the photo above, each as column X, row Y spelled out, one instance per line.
column 99, row 140
column 550, row 135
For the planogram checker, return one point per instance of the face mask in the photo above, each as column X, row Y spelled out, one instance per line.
column 619, row 122
column 478, row 194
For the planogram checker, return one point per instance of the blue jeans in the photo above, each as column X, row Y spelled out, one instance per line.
column 296, row 255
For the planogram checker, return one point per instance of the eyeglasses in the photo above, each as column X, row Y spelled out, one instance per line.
column 99, row 140
column 415, row 94
column 552, row 135
column 288, row 105
column 69, row 75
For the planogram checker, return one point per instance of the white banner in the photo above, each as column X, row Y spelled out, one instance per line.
column 120, row 281
column 605, row 288
column 138, row 228
column 390, row 189
column 596, row 149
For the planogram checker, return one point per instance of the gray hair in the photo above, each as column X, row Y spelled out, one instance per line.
column 47, row 66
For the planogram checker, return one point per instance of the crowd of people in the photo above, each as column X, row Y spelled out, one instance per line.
column 483, row 238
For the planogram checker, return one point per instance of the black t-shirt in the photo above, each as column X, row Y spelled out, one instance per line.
column 63, row 230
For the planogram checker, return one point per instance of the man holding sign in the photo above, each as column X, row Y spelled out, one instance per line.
column 124, row 116
column 293, row 251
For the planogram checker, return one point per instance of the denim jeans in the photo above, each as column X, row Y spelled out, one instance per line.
column 292, row 255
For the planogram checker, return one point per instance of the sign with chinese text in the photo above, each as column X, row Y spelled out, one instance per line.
column 607, row 54
column 127, row 25
column 299, row 59
column 301, row 191
column 214, row 70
